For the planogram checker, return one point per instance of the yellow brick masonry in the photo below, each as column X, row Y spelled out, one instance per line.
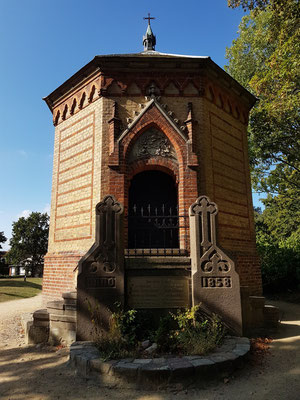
column 223, row 157
column 76, row 180
column 75, row 193
column 223, row 175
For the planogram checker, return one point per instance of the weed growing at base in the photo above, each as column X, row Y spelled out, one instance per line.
column 187, row 332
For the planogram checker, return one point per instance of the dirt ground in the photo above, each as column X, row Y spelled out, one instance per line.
column 41, row 373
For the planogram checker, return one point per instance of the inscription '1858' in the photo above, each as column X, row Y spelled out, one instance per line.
column 216, row 282
column 100, row 282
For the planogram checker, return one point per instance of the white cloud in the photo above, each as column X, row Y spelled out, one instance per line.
column 46, row 209
column 5, row 246
column 24, row 213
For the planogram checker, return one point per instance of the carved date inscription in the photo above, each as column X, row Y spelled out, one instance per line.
column 216, row 282
column 93, row 282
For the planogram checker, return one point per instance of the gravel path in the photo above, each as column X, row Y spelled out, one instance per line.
column 11, row 331
column 41, row 373
column 12, row 308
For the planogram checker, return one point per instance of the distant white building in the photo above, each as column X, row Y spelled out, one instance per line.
column 15, row 270
column 20, row 270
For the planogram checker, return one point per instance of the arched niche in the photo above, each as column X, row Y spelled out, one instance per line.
column 152, row 211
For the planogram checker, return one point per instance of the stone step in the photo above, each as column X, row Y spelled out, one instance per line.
column 271, row 314
column 157, row 262
column 63, row 318
column 55, row 305
column 70, row 295
column 41, row 315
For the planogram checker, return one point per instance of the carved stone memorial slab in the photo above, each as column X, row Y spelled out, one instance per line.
column 158, row 291
column 100, row 282
column 215, row 282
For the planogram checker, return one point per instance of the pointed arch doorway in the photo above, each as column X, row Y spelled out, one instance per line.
column 152, row 211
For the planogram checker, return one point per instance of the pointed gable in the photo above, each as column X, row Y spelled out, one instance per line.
column 167, row 116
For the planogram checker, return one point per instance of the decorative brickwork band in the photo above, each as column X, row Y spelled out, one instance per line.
column 100, row 282
column 215, row 282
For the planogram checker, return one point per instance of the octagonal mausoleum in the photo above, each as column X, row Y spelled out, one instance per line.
column 153, row 130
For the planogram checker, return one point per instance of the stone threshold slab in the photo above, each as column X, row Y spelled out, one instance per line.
column 159, row 372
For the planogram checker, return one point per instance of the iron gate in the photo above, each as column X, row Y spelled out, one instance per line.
column 157, row 231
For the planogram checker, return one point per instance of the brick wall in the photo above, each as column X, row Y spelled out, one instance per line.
column 76, row 180
column 75, row 193
column 85, row 147
column 60, row 274
column 228, row 184
column 224, row 176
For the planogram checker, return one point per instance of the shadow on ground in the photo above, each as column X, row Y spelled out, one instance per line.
column 31, row 373
column 28, row 373
column 20, row 283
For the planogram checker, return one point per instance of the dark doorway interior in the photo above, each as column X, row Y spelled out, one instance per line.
column 152, row 213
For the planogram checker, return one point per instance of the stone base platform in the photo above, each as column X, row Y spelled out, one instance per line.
column 159, row 372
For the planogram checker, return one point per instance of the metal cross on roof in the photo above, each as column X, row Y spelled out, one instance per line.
column 149, row 18
column 149, row 40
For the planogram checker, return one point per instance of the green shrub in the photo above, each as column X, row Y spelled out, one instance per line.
column 198, row 332
column 190, row 331
column 278, row 244
column 164, row 335
column 111, row 347
column 132, row 325
column 121, row 340
column 280, row 268
column 127, row 329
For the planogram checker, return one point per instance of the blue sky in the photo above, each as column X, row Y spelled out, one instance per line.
column 42, row 43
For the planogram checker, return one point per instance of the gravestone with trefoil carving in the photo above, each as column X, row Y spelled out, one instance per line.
column 215, row 283
column 100, row 282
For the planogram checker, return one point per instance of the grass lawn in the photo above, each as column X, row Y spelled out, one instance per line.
column 16, row 288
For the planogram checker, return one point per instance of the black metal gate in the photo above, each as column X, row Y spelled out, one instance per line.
column 156, row 231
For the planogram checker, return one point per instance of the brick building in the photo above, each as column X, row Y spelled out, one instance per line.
column 126, row 124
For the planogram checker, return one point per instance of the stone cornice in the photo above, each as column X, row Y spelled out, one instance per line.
column 145, row 62
column 132, row 75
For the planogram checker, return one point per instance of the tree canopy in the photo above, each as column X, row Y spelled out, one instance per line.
column 259, row 5
column 29, row 241
column 2, row 239
column 265, row 59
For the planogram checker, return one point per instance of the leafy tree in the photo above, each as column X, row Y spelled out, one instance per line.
column 259, row 5
column 2, row 239
column 247, row 4
column 265, row 59
column 279, row 251
column 29, row 241
column 3, row 266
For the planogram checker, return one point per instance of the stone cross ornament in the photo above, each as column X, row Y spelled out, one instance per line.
column 215, row 283
column 100, row 282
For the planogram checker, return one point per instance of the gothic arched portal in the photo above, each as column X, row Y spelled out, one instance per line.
column 152, row 211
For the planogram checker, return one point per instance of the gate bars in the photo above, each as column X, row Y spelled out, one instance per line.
column 157, row 231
